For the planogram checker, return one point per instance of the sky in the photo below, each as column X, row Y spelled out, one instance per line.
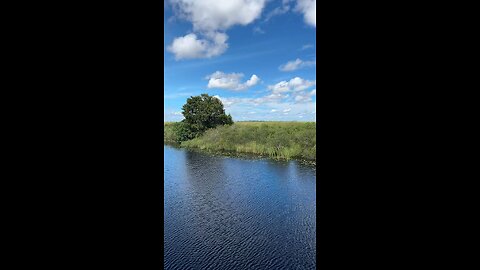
column 257, row 56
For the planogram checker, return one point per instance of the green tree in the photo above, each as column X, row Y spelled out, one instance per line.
column 201, row 113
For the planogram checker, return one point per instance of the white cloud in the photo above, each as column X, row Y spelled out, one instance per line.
column 306, row 46
column 226, row 81
column 309, row 10
column 288, row 93
column 252, row 81
column 213, row 15
column 210, row 19
column 291, row 65
column 296, row 64
column 190, row 46
column 306, row 7
column 287, row 101
column 304, row 97
column 172, row 116
column 295, row 84
column 175, row 95
column 284, row 109
column 230, row 81
column 253, row 102
column 278, row 11
column 258, row 30
column 284, row 106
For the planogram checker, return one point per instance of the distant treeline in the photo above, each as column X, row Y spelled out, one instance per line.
column 278, row 140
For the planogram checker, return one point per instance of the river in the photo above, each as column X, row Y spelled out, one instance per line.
column 233, row 213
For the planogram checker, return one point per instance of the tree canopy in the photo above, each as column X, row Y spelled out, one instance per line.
column 201, row 113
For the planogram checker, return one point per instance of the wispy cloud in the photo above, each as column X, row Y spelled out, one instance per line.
column 284, row 8
column 258, row 30
column 306, row 46
column 177, row 95
column 296, row 64
column 224, row 59
column 172, row 116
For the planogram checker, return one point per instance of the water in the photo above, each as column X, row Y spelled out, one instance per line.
column 230, row 213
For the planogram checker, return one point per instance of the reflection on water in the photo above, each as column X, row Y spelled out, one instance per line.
column 230, row 213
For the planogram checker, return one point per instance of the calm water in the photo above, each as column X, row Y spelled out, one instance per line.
column 229, row 213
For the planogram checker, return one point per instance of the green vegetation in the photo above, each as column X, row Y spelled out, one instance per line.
column 201, row 113
column 169, row 132
column 278, row 140
column 204, row 112
column 207, row 127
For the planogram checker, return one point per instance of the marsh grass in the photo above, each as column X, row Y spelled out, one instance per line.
column 277, row 140
column 169, row 135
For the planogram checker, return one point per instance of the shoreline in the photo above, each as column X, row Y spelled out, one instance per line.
column 236, row 154
column 272, row 140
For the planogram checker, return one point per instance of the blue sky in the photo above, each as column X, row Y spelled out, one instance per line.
column 257, row 56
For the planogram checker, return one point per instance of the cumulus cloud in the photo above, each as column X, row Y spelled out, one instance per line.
column 291, row 100
column 304, row 97
column 296, row 64
column 190, row 46
column 295, row 84
column 213, row 15
column 230, row 81
column 283, row 108
column 288, row 100
column 210, row 20
column 252, row 81
column 287, row 92
column 309, row 10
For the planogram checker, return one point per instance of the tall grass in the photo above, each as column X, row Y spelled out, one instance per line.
column 169, row 135
column 278, row 140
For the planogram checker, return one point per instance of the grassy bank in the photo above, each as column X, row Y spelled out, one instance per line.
column 169, row 132
column 278, row 140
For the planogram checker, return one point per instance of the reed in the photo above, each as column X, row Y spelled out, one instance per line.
column 278, row 140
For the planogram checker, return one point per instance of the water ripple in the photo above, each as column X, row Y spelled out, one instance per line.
column 227, row 213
